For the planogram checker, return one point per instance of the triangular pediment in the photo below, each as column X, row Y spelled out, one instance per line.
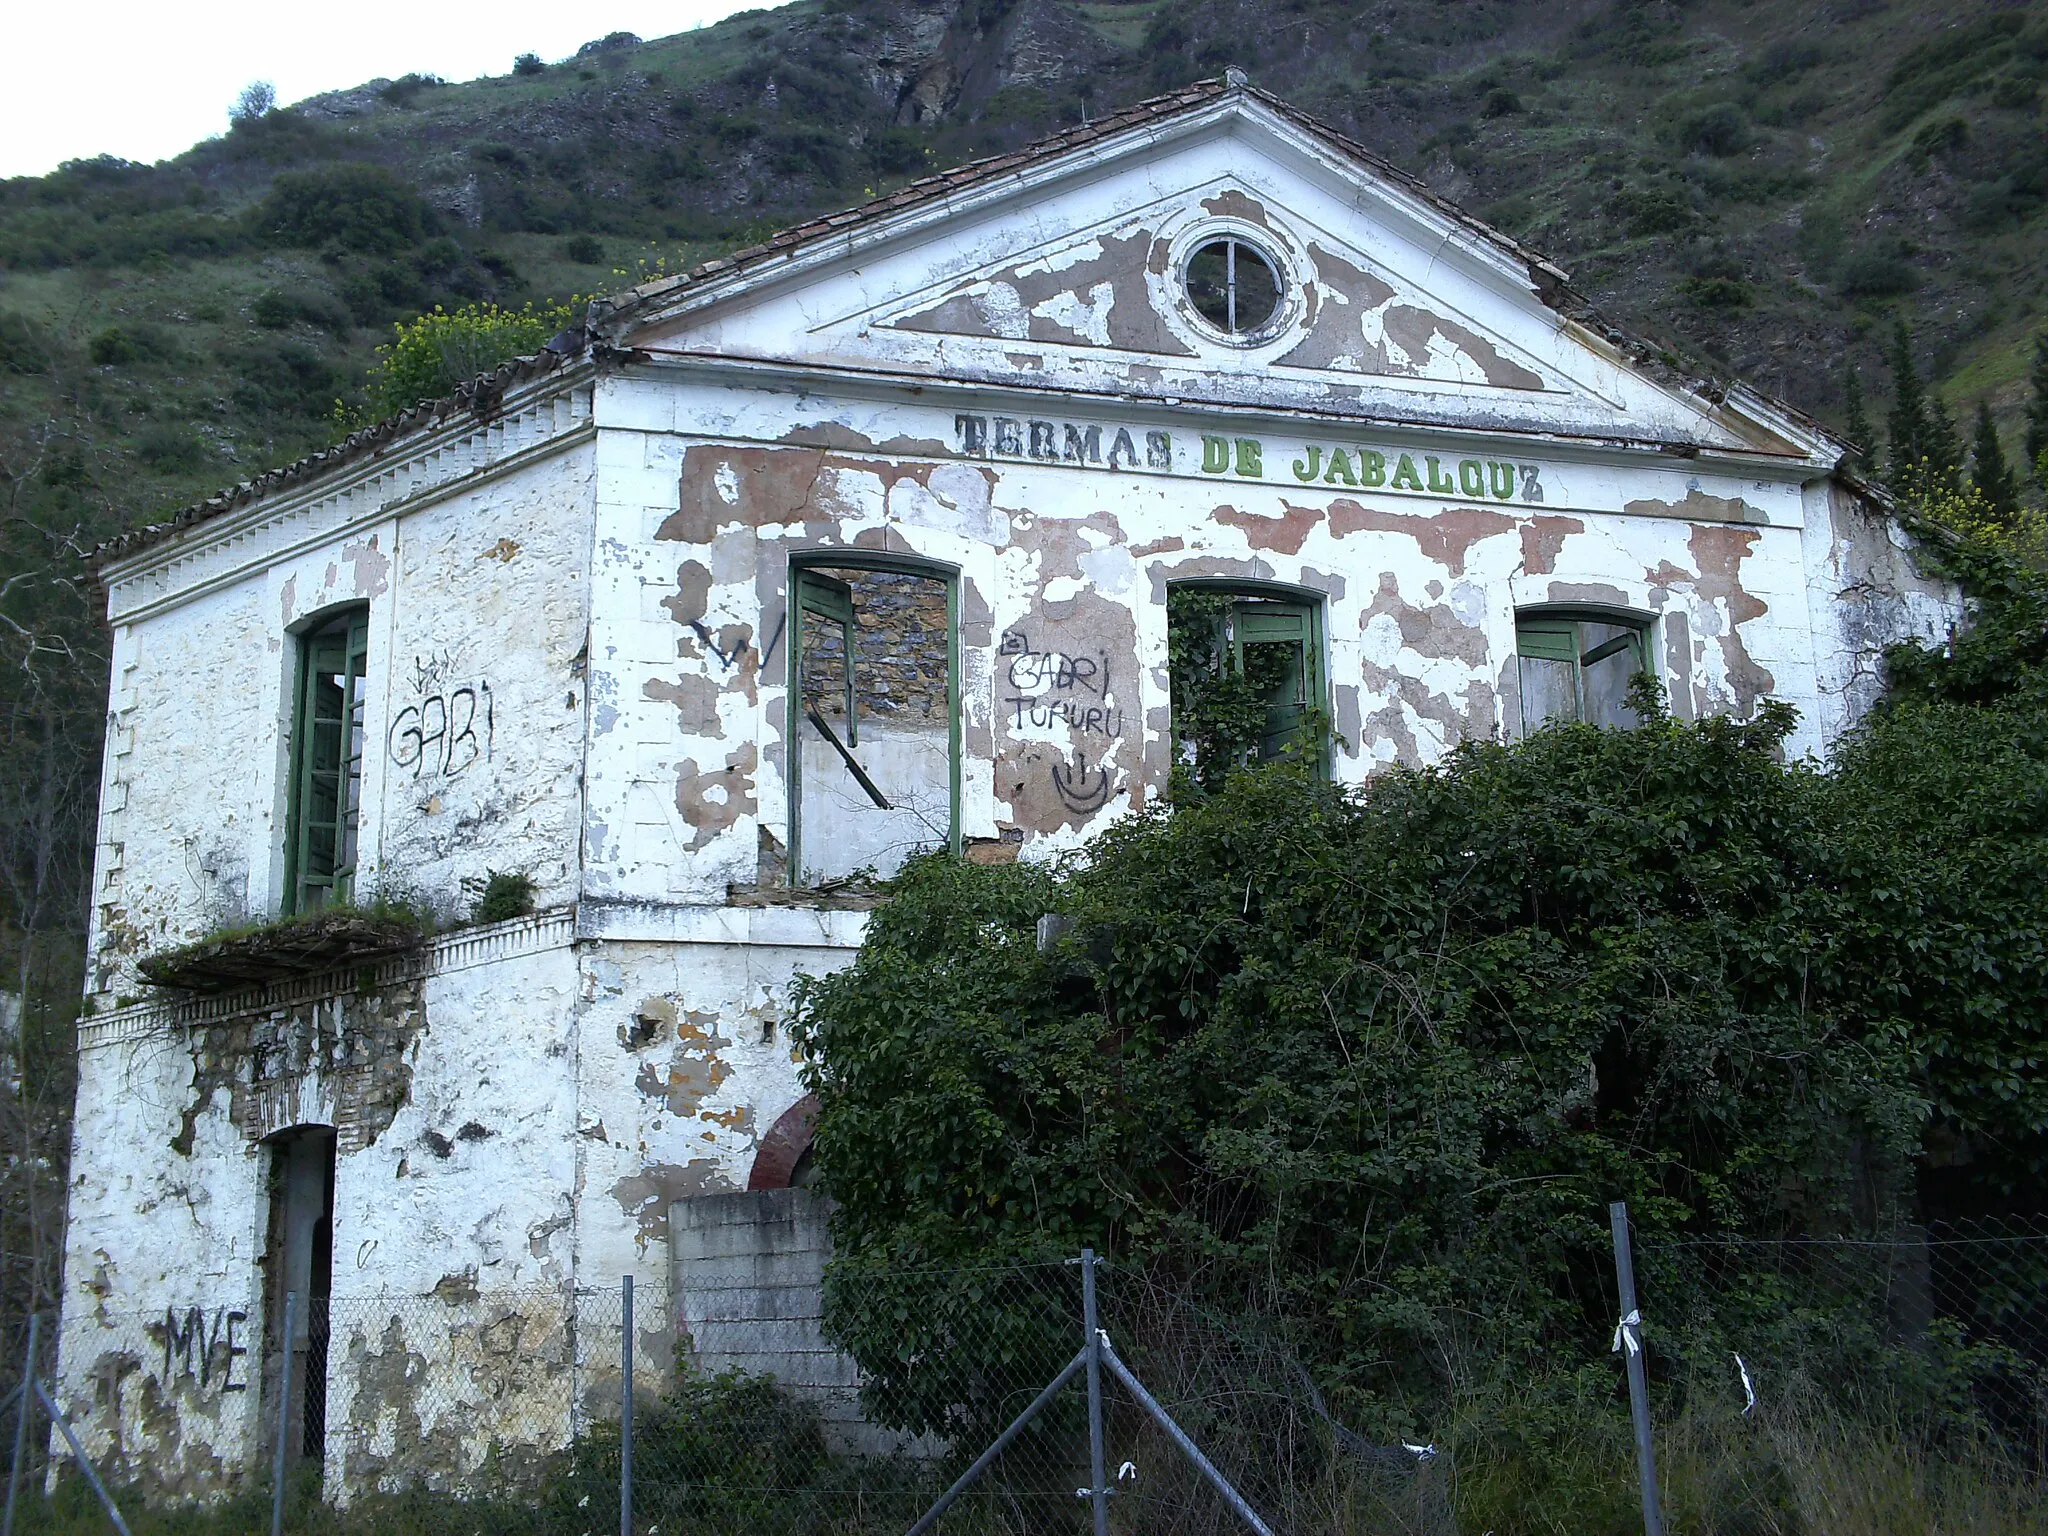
column 1071, row 269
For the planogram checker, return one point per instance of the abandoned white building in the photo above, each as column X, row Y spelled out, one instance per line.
column 852, row 544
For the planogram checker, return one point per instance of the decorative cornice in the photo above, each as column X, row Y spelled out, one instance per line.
column 457, row 951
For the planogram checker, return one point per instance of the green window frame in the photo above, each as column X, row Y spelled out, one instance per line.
column 816, row 597
column 324, row 812
column 1274, row 639
column 1576, row 667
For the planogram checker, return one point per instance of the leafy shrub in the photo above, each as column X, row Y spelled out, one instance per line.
column 439, row 256
column 1929, row 73
column 1477, row 1001
column 1720, row 129
column 2016, row 93
column 288, row 379
column 1943, row 136
column 725, row 1453
column 1717, row 292
column 23, row 346
column 275, row 309
column 406, row 88
column 585, row 250
column 1878, row 271
column 375, row 292
column 428, row 357
column 1785, row 60
column 528, row 64
column 2008, row 199
column 1500, row 102
column 504, row 896
column 172, row 449
column 1648, row 211
column 354, row 205
column 112, row 347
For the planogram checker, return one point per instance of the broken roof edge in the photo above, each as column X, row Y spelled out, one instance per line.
column 480, row 398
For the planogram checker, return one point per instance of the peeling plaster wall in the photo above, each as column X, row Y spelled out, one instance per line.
column 456, row 1172
column 473, row 725
column 1064, row 560
column 686, row 1060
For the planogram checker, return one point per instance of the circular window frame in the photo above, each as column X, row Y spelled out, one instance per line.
column 1280, row 261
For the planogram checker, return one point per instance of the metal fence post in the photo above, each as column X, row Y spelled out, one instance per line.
column 1098, row 1491
column 284, row 1416
column 1628, row 1339
column 27, row 1392
column 626, row 1406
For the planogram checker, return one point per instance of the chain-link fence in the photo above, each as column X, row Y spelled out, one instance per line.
column 792, row 1409
column 504, row 1411
column 1939, row 1332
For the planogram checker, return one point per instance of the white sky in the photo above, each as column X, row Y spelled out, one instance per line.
column 147, row 80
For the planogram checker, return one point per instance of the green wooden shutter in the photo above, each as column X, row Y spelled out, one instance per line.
column 1548, row 640
column 830, row 600
column 1296, row 688
column 325, row 814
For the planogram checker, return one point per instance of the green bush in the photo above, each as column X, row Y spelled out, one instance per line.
column 357, row 206
column 1380, row 1056
column 171, row 449
column 112, row 347
column 430, row 356
column 286, row 379
column 584, row 250
column 1721, row 129
column 1877, row 271
column 24, row 348
column 276, row 309
column 1717, row 292
column 529, row 64
column 1652, row 210
column 504, row 896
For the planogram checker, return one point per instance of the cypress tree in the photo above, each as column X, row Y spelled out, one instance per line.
column 1989, row 472
column 2037, row 411
column 1944, row 450
column 1908, row 423
column 1856, row 424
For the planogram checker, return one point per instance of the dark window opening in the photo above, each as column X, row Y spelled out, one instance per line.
column 299, row 1262
column 1233, row 286
column 326, row 787
column 1247, row 679
column 1579, row 669
column 874, row 720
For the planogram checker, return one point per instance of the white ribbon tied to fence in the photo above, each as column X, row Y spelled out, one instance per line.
column 1628, row 1335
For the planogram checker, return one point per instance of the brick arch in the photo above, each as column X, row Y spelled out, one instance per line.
column 787, row 1140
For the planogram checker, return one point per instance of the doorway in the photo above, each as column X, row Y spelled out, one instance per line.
column 299, row 1261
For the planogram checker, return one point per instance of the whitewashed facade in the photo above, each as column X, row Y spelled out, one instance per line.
column 575, row 586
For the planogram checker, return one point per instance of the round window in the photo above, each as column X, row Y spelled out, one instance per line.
column 1234, row 286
